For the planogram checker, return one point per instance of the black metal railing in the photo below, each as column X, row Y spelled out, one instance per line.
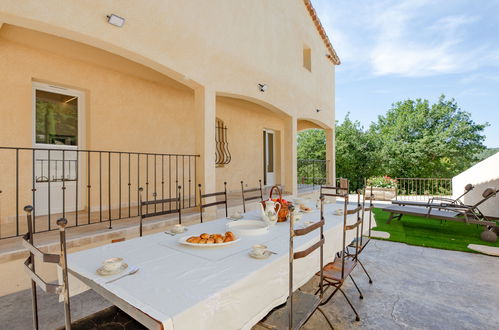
column 312, row 173
column 87, row 186
column 423, row 188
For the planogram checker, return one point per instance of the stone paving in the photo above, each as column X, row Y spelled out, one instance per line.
column 414, row 288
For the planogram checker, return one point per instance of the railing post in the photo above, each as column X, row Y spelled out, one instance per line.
column 140, row 209
column 62, row 222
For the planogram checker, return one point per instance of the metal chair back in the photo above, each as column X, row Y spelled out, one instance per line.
column 370, row 198
column 335, row 191
column 36, row 280
column 347, row 227
column 144, row 207
column 251, row 190
column 215, row 194
column 302, row 254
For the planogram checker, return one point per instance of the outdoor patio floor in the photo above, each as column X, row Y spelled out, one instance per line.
column 414, row 287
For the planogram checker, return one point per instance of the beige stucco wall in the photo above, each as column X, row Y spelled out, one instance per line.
column 483, row 175
column 245, row 122
column 119, row 103
column 128, row 108
column 229, row 45
column 170, row 60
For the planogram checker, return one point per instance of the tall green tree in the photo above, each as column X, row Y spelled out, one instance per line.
column 311, row 144
column 355, row 152
column 416, row 139
column 413, row 139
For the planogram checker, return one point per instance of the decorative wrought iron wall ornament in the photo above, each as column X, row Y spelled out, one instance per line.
column 222, row 153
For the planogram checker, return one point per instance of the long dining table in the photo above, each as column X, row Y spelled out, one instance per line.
column 183, row 287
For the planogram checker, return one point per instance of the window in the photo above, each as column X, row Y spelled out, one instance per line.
column 56, row 117
column 307, row 58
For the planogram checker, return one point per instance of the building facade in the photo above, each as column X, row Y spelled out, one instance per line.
column 217, row 90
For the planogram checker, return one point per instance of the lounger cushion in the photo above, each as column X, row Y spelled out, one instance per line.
column 419, row 211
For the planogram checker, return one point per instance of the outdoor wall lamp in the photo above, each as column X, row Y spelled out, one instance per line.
column 115, row 20
column 263, row 87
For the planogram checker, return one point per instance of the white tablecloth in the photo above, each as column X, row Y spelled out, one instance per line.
column 209, row 288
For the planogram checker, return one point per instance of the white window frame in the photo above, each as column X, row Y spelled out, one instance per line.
column 81, row 114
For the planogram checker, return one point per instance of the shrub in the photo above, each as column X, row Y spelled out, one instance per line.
column 382, row 182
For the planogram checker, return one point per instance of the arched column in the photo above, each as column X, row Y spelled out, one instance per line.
column 331, row 155
column 205, row 109
column 290, row 155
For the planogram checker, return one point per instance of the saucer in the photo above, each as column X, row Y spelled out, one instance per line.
column 234, row 217
column 265, row 255
column 103, row 272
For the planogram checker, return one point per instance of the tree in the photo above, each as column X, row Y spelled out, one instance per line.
column 416, row 139
column 413, row 139
column 311, row 147
column 355, row 152
column 311, row 144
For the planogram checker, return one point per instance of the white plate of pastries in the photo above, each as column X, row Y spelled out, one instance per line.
column 210, row 240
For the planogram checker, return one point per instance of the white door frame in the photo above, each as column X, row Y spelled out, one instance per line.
column 55, row 186
column 270, row 177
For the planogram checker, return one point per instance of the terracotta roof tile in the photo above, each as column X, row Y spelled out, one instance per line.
column 332, row 56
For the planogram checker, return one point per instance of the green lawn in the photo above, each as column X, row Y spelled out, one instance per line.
column 431, row 233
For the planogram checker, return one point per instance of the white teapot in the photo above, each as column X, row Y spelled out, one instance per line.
column 269, row 213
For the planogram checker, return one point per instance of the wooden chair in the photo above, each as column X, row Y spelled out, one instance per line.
column 335, row 273
column 250, row 190
column 300, row 306
column 165, row 209
column 202, row 196
column 363, row 240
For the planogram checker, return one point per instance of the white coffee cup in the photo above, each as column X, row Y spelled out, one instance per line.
column 112, row 264
column 259, row 249
column 178, row 228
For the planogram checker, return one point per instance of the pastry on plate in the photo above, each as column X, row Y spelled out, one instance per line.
column 206, row 238
column 193, row 239
column 305, row 208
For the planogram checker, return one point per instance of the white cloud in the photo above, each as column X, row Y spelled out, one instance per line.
column 412, row 38
column 408, row 48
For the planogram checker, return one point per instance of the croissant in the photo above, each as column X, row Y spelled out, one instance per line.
column 204, row 236
column 219, row 239
column 228, row 239
column 229, row 234
column 210, row 241
column 203, row 241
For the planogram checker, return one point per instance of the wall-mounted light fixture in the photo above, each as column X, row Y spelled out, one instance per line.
column 115, row 20
column 318, row 110
column 263, row 87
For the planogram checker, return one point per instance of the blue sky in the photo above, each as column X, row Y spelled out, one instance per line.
column 393, row 50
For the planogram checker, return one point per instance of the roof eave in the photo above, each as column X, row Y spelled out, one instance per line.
column 332, row 56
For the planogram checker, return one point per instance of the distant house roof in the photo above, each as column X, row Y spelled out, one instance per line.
column 332, row 56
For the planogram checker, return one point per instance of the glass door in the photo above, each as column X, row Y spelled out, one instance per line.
column 269, row 157
column 57, row 113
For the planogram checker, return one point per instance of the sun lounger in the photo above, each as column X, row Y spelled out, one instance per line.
column 436, row 201
column 451, row 212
